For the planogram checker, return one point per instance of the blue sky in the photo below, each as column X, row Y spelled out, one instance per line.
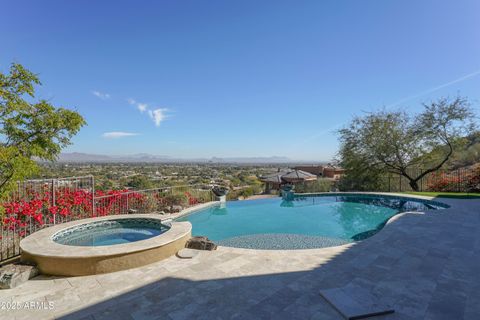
column 239, row 78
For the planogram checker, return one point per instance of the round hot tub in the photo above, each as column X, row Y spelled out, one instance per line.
column 110, row 232
column 104, row 244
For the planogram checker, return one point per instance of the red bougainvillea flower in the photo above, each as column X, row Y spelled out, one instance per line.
column 38, row 218
column 64, row 212
column 41, row 206
column 53, row 210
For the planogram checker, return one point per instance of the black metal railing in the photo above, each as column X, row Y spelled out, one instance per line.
column 459, row 180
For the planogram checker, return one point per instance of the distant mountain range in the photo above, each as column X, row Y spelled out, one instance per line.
column 145, row 157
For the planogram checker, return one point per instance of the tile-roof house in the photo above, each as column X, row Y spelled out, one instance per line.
column 276, row 180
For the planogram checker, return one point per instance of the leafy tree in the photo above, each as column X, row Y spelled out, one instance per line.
column 106, row 184
column 468, row 152
column 29, row 130
column 246, row 192
column 140, row 182
column 394, row 141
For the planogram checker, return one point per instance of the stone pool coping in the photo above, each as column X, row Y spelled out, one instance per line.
column 40, row 243
column 190, row 210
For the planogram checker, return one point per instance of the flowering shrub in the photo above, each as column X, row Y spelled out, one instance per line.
column 36, row 208
column 191, row 199
column 180, row 199
column 116, row 202
column 473, row 184
column 442, row 182
column 455, row 181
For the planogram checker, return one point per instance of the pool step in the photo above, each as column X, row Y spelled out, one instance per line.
column 167, row 221
column 187, row 253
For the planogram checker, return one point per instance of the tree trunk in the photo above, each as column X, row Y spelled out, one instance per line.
column 413, row 182
column 414, row 185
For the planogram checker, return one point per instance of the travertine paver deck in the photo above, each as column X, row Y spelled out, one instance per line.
column 424, row 265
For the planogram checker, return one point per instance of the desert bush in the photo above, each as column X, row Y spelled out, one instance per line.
column 320, row 185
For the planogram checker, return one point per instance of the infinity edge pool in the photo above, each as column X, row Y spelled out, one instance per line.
column 270, row 224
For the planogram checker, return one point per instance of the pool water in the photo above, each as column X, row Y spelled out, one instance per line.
column 110, row 232
column 304, row 222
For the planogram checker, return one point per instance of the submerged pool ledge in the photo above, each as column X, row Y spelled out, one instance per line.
column 64, row 260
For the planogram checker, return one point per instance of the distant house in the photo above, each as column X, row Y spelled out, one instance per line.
column 333, row 172
column 293, row 176
column 328, row 171
column 272, row 181
column 313, row 169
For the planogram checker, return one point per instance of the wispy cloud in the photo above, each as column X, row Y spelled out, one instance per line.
column 101, row 95
column 118, row 134
column 158, row 115
column 142, row 107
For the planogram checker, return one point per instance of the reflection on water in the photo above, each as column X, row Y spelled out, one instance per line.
column 401, row 204
column 287, row 204
column 220, row 210
column 370, row 220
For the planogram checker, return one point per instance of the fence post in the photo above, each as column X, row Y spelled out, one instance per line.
column 421, row 182
column 54, row 200
column 127, row 209
column 459, row 175
column 92, row 181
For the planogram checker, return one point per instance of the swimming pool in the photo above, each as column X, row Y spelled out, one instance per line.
column 312, row 221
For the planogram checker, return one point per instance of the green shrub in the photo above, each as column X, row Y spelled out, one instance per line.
column 320, row 185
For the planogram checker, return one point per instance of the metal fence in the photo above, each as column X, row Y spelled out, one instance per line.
column 459, row 180
column 36, row 204
column 162, row 200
